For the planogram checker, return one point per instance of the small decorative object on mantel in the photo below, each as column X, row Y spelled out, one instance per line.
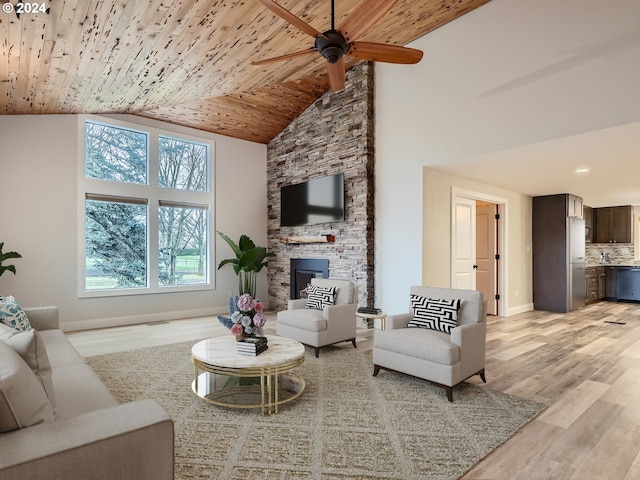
column 309, row 239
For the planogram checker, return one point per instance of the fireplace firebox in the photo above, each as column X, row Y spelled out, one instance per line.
column 303, row 270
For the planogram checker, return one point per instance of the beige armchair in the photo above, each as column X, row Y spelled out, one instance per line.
column 444, row 359
column 318, row 328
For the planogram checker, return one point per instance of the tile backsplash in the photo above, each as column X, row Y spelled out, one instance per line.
column 619, row 253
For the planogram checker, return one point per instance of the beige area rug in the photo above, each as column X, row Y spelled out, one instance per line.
column 347, row 424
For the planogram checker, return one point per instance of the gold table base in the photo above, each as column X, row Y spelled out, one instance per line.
column 251, row 387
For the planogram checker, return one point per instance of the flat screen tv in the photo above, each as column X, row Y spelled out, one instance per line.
column 320, row 200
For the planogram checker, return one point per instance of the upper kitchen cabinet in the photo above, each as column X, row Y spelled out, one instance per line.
column 574, row 206
column 613, row 224
column 587, row 213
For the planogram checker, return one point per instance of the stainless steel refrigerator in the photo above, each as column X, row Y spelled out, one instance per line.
column 577, row 283
column 559, row 283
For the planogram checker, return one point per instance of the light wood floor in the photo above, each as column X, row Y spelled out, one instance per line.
column 587, row 370
column 119, row 339
column 584, row 365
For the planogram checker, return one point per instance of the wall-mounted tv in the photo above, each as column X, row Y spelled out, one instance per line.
column 320, row 200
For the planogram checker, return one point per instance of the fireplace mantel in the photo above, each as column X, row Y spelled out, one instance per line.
column 297, row 239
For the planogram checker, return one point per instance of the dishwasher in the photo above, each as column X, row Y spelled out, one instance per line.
column 628, row 287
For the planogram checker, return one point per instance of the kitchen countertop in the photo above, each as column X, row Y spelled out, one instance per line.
column 620, row 265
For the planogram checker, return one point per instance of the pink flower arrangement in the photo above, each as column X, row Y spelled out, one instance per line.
column 249, row 318
column 237, row 329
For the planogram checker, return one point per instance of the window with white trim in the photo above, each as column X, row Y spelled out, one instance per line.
column 145, row 210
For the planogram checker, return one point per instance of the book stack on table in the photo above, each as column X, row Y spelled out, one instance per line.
column 252, row 346
column 370, row 310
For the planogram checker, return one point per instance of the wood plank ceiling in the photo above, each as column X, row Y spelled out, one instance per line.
column 186, row 62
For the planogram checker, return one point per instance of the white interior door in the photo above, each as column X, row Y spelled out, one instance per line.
column 463, row 235
column 486, row 249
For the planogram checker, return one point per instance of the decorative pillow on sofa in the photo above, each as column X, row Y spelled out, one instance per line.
column 320, row 297
column 12, row 314
column 30, row 346
column 23, row 401
column 7, row 332
column 435, row 314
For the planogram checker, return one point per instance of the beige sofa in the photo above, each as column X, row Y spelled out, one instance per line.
column 91, row 435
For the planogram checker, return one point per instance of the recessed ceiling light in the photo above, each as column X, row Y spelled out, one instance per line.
column 582, row 170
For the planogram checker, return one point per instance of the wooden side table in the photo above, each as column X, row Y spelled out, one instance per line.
column 374, row 316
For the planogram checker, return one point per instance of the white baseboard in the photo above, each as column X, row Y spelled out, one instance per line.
column 140, row 319
column 519, row 309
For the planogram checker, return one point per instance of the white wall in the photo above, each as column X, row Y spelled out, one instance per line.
column 491, row 80
column 38, row 165
column 515, row 283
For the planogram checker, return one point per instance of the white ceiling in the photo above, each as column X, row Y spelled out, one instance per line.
column 612, row 156
column 521, row 94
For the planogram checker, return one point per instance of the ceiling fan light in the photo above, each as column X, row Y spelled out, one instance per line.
column 332, row 46
column 332, row 54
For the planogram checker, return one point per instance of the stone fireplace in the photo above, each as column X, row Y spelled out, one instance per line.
column 334, row 135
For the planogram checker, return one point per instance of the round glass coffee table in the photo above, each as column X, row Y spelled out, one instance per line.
column 226, row 378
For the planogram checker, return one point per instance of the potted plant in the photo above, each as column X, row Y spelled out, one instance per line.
column 7, row 256
column 250, row 259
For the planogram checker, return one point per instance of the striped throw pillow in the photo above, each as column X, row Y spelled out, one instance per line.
column 320, row 297
column 435, row 314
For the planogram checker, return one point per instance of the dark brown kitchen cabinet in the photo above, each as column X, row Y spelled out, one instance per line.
column 603, row 219
column 596, row 282
column 602, row 283
column 587, row 212
column 613, row 224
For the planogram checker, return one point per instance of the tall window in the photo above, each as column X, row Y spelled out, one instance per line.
column 146, row 203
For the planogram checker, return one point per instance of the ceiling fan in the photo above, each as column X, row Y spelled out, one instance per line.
column 335, row 43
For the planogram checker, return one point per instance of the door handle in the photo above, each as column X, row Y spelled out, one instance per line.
column 475, row 266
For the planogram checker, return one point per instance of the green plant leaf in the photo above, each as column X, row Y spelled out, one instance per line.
column 227, row 260
column 232, row 244
column 250, row 257
column 246, row 243
column 6, row 256
column 260, row 258
column 249, row 260
column 259, row 264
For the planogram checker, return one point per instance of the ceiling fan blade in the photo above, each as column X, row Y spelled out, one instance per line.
column 380, row 52
column 291, row 18
column 364, row 17
column 336, row 75
column 285, row 57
